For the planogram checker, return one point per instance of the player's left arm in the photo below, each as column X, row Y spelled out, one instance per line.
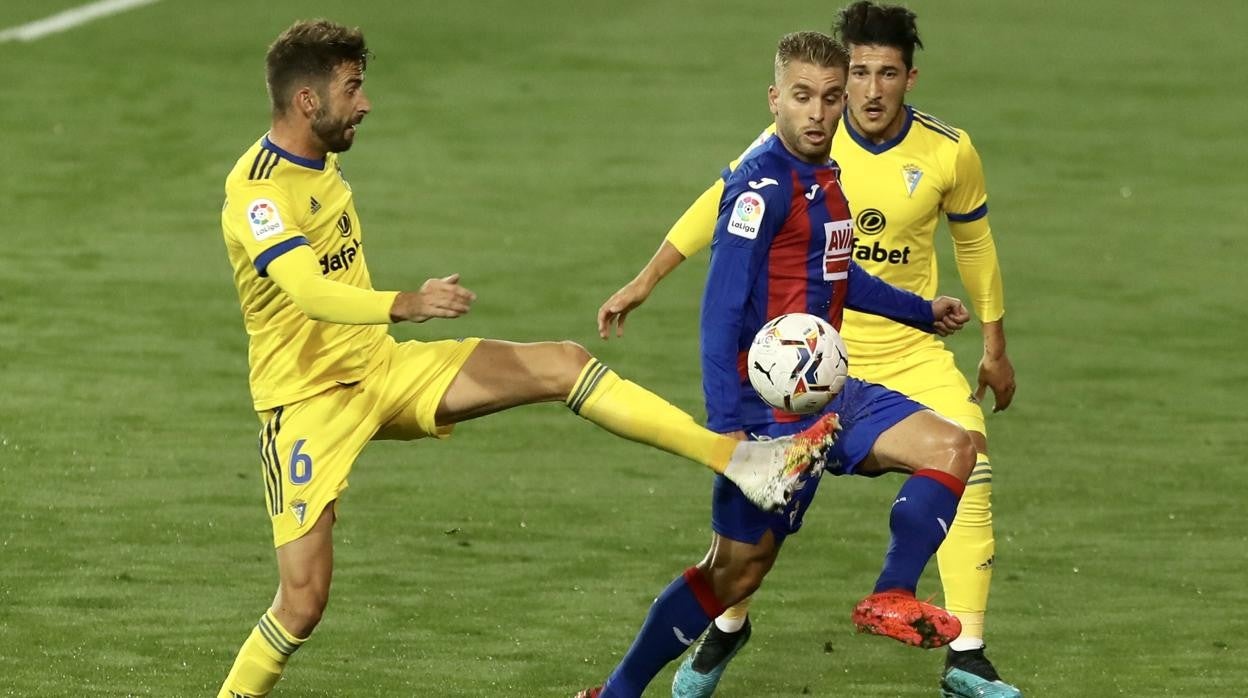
column 869, row 294
column 966, row 207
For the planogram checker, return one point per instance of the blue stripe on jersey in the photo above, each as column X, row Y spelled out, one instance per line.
column 877, row 148
column 968, row 217
column 264, row 259
column 305, row 162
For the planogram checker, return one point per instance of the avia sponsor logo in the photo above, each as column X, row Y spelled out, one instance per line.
column 342, row 259
column 838, row 243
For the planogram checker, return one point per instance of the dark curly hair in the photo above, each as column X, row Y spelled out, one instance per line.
column 866, row 23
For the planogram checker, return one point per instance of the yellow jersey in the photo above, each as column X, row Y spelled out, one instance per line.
column 897, row 191
column 275, row 202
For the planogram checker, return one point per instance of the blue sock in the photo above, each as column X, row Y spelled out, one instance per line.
column 921, row 517
column 676, row 619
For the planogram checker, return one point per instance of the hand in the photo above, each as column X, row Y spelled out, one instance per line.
column 443, row 298
column 619, row 305
column 739, row 435
column 950, row 315
column 996, row 372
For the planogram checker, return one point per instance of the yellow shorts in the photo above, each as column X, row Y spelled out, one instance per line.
column 928, row 376
column 307, row 448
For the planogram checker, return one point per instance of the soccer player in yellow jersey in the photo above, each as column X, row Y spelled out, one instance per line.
column 902, row 170
column 326, row 377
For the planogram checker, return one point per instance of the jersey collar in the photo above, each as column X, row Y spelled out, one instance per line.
column 304, row 162
column 877, row 148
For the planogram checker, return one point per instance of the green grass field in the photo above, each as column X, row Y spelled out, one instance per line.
column 542, row 149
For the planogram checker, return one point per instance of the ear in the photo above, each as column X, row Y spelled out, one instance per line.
column 911, row 78
column 306, row 101
column 773, row 96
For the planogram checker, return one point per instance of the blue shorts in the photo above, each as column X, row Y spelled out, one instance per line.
column 866, row 411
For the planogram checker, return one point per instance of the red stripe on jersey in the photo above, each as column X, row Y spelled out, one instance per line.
column 787, row 273
column 787, row 277
column 836, row 261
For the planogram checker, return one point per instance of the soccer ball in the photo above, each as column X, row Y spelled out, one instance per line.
column 797, row 363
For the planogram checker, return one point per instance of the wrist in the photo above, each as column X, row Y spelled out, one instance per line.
column 994, row 339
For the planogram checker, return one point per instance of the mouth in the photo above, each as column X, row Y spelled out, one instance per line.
column 815, row 136
column 873, row 111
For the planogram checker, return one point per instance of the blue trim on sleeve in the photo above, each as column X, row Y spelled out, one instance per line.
column 305, row 162
column 968, row 217
column 877, row 148
column 264, row 259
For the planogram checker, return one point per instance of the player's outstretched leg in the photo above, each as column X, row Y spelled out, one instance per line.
column 766, row 471
column 499, row 375
column 699, row 674
column 969, row 674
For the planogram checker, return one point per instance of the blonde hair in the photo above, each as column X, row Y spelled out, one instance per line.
column 815, row 48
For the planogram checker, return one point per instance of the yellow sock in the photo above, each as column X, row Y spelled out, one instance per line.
column 966, row 556
column 733, row 619
column 629, row 410
column 261, row 660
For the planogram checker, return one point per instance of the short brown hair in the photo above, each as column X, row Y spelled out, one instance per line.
column 310, row 48
column 815, row 48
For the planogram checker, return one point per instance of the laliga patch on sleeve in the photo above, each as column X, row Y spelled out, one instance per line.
column 747, row 215
column 264, row 219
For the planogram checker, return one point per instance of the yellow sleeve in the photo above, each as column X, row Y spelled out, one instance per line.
column 297, row 272
column 966, row 206
column 259, row 217
column 976, row 254
column 692, row 232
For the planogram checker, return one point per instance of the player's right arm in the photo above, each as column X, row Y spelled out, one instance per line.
column 266, row 228
column 689, row 235
column 748, row 221
column 297, row 272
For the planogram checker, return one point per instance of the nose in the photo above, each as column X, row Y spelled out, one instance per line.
column 817, row 110
column 873, row 87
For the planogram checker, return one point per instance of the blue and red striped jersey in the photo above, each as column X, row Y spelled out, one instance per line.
column 782, row 244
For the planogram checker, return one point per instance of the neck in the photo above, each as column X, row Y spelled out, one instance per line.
column 296, row 139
